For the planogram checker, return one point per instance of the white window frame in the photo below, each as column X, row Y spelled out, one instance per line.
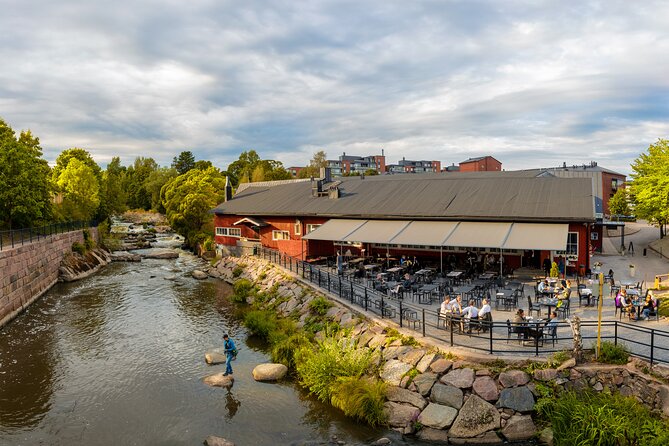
column 228, row 232
column 298, row 227
column 280, row 235
column 311, row 227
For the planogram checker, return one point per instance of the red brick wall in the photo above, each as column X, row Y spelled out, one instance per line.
column 436, row 166
column 486, row 164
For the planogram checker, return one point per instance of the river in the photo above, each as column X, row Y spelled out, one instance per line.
column 118, row 359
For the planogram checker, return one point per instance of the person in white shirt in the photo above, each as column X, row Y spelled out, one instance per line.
column 542, row 286
column 445, row 308
column 470, row 311
column 485, row 308
column 456, row 305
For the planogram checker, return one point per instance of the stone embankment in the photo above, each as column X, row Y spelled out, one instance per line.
column 76, row 266
column 440, row 398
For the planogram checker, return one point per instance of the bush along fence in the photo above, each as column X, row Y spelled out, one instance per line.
column 423, row 391
column 18, row 237
column 495, row 338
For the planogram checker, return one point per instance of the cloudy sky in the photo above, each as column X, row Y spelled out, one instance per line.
column 533, row 83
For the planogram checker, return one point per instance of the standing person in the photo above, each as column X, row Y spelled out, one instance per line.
column 547, row 266
column 230, row 353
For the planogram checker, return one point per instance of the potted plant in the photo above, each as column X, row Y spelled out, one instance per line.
column 632, row 270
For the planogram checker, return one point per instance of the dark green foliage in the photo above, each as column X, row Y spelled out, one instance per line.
column 89, row 242
column 319, row 306
column 586, row 418
column 184, row 162
column 79, row 248
column 284, row 350
column 360, row 398
column 261, row 323
column 237, row 272
column 611, row 353
column 242, row 289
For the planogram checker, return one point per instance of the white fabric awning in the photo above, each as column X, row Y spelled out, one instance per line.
column 335, row 230
column 377, row 231
column 425, row 233
column 551, row 237
column 470, row 234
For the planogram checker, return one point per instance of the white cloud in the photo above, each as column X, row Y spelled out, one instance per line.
column 530, row 83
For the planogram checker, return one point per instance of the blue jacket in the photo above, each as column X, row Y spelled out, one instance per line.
column 229, row 347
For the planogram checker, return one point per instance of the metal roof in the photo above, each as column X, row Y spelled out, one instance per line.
column 481, row 196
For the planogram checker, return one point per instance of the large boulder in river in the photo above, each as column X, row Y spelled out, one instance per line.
column 269, row 372
column 160, row 253
column 214, row 358
column 217, row 441
column 219, row 380
column 199, row 275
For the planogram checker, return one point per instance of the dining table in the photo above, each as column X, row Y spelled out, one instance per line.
column 549, row 302
column 425, row 293
column 395, row 269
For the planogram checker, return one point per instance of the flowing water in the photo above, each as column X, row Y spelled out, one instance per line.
column 118, row 359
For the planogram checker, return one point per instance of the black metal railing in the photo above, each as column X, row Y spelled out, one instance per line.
column 19, row 237
column 494, row 337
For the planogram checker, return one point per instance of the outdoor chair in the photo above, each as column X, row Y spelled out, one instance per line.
column 512, row 329
column 563, row 310
column 582, row 295
column 533, row 307
column 485, row 322
column 655, row 311
column 614, row 289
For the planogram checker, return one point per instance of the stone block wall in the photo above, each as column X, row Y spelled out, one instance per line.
column 27, row 271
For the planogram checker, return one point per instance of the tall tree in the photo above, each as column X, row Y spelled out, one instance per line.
column 80, row 188
column 113, row 196
column 243, row 167
column 314, row 168
column 155, row 182
column 619, row 203
column 135, row 183
column 650, row 185
column 184, row 162
column 189, row 197
column 80, row 154
column 25, row 189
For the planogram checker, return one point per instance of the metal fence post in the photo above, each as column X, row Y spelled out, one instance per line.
column 423, row 324
column 382, row 307
column 451, row 324
column 319, row 277
column 615, row 332
column 328, row 282
column 400, row 314
column 365, row 297
column 652, row 345
column 351, row 284
column 339, row 277
column 536, row 342
column 490, row 329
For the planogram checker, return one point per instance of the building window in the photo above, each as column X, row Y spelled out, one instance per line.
column 298, row 227
column 572, row 243
column 614, row 184
column 311, row 228
column 280, row 235
column 229, row 232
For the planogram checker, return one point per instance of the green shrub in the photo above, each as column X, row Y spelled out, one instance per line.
column 610, row 353
column 361, row 399
column 261, row 323
column 319, row 306
column 208, row 244
column 79, row 248
column 332, row 358
column 285, row 349
column 237, row 272
column 89, row 241
column 242, row 288
column 587, row 418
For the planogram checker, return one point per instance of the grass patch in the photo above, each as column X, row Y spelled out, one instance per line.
column 361, row 399
column 237, row 272
column 79, row 248
column 242, row 288
column 319, row 306
column 587, row 418
column 284, row 350
column 610, row 353
column 261, row 323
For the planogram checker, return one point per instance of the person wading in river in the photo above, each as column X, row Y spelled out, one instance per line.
column 230, row 353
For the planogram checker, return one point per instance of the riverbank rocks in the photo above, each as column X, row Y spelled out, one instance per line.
column 519, row 399
column 476, row 417
column 448, row 395
column 441, row 365
column 461, row 378
column 393, row 371
column 486, row 388
column 399, row 395
column 217, row 441
column 76, row 266
column 219, row 380
column 400, row 415
column 424, row 382
column 269, row 372
column 519, row 427
column 437, row 416
column 433, row 435
column 513, row 378
column 214, row 358
column 199, row 275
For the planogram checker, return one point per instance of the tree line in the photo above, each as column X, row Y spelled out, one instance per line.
column 33, row 194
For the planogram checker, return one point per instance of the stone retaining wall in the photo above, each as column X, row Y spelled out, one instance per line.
column 27, row 271
column 440, row 399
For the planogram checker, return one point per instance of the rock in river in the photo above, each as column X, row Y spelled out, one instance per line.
column 217, row 441
column 199, row 275
column 214, row 358
column 159, row 253
column 269, row 372
column 219, row 380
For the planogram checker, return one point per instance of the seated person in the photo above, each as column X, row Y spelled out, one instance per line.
column 552, row 323
column 519, row 324
column 407, row 282
column 445, row 308
column 456, row 305
column 649, row 306
column 626, row 304
column 471, row 314
column 485, row 314
column 542, row 286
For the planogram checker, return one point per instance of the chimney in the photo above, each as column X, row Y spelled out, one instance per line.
column 326, row 174
column 228, row 189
